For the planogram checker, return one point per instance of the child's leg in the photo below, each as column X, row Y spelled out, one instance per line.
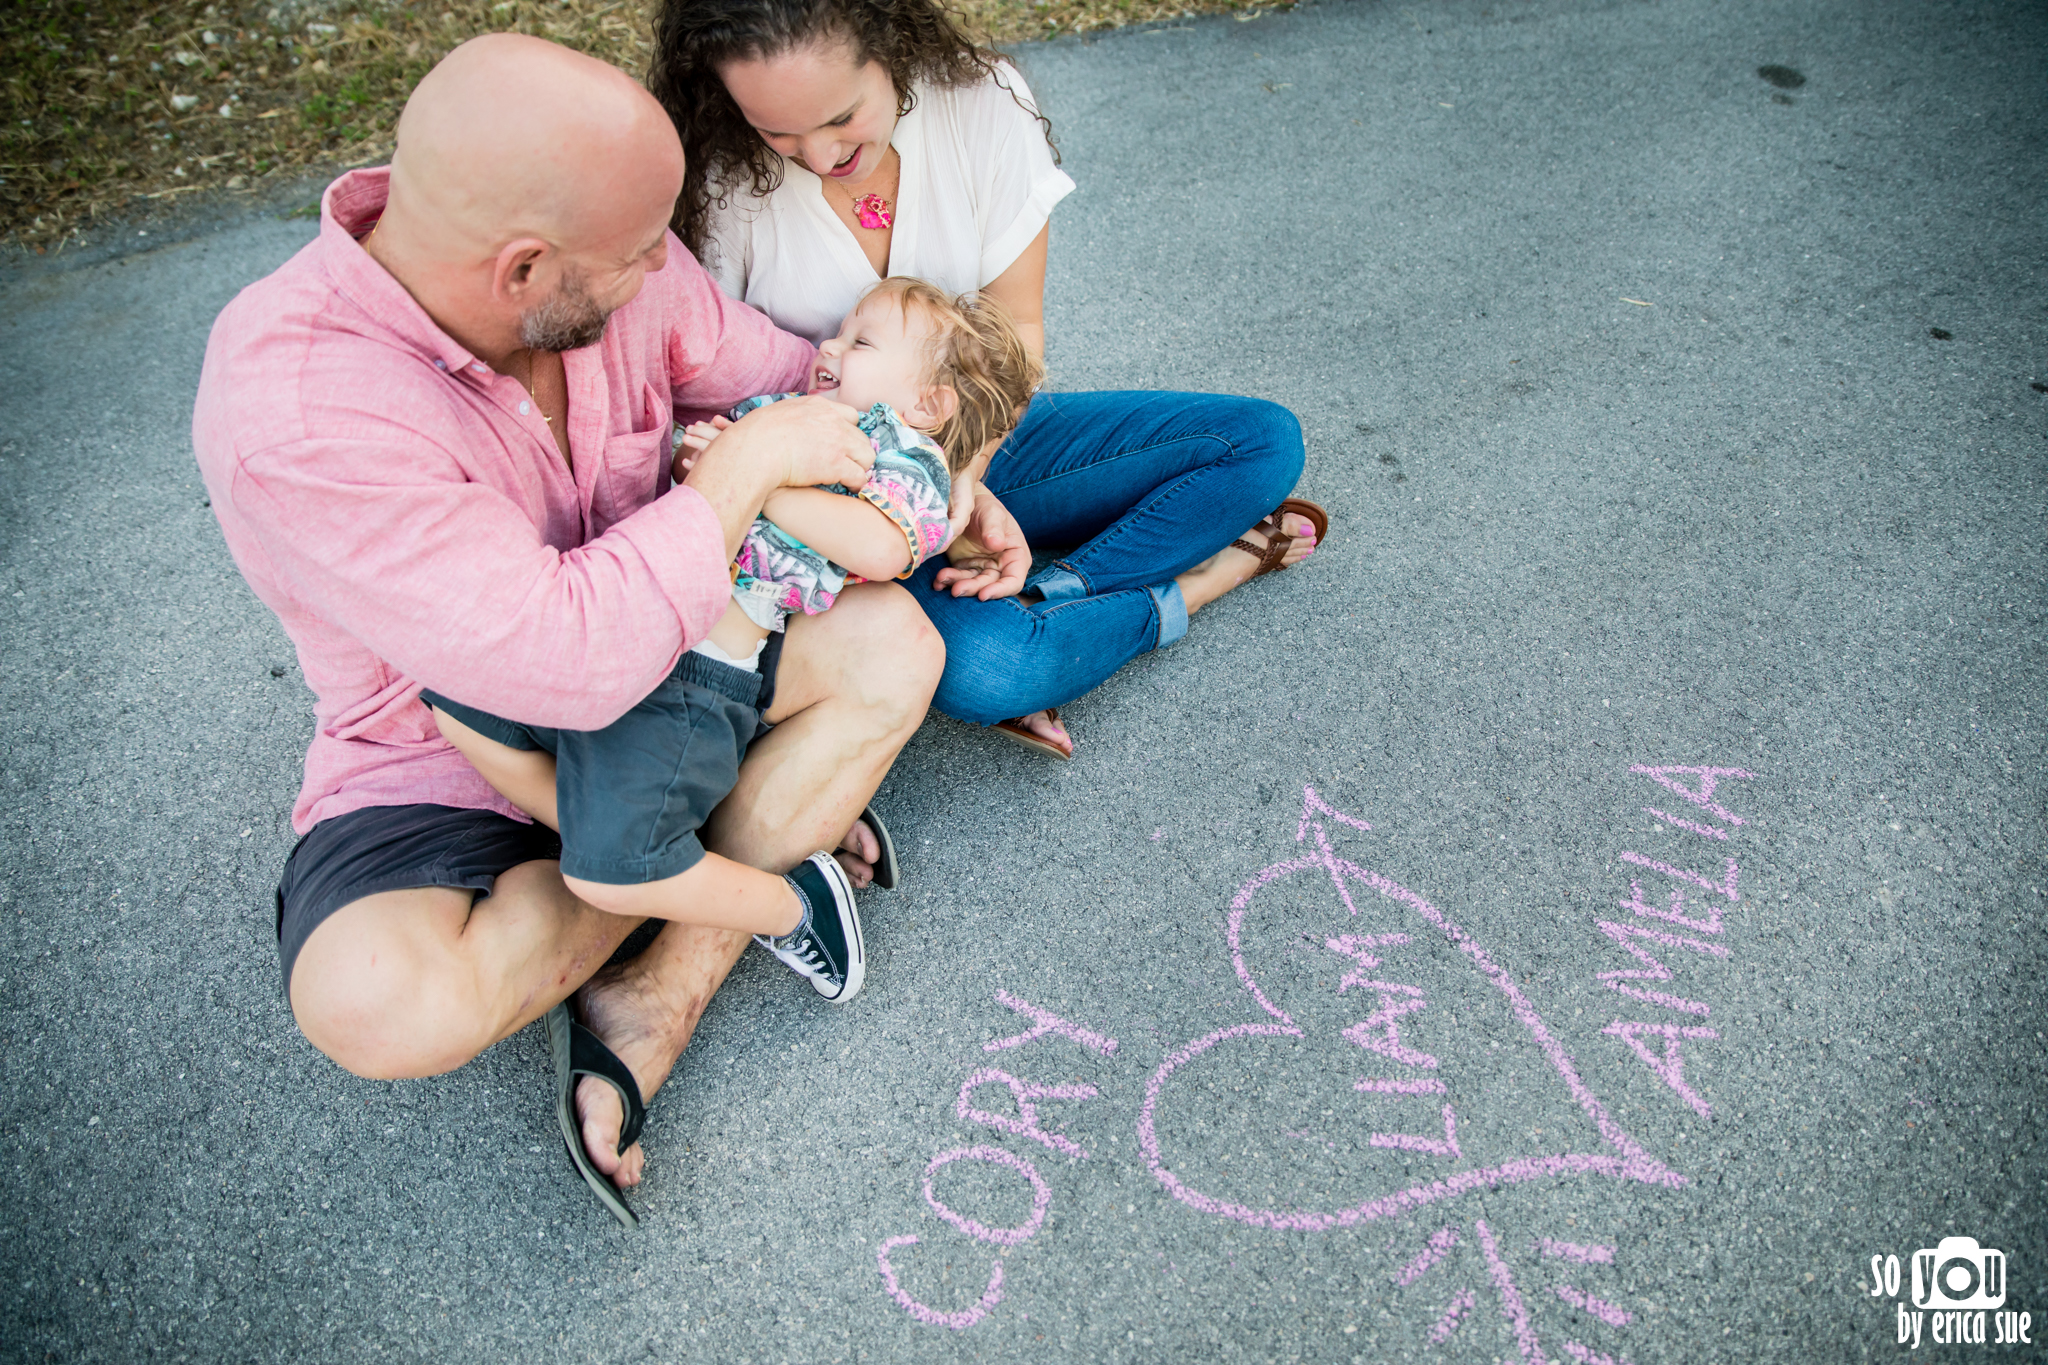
column 717, row 893
column 736, row 633
column 525, row 777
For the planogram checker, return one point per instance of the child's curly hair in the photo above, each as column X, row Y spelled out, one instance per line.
column 975, row 351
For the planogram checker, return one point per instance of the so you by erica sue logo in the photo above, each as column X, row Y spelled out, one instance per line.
column 1955, row 1296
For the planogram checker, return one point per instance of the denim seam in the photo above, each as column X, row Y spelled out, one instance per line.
column 1087, row 583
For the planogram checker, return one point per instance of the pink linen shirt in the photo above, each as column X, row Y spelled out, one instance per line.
column 403, row 508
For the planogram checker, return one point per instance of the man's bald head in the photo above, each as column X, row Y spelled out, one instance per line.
column 530, row 195
column 511, row 136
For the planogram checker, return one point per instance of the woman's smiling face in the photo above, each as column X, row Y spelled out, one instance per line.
column 816, row 105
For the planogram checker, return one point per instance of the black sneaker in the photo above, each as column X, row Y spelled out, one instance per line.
column 826, row 946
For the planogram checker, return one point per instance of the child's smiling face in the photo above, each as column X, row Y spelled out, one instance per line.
column 879, row 356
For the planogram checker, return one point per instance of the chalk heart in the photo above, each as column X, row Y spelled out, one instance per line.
column 1360, row 923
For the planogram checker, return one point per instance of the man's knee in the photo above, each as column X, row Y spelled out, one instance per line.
column 898, row 655
column 385, row 1004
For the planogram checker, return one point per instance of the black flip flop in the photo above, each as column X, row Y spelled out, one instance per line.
column 579, row 1052
column 885, row 866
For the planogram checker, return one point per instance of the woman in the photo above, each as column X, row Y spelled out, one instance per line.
column 832, row 142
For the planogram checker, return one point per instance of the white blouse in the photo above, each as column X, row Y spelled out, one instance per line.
column 977, row 183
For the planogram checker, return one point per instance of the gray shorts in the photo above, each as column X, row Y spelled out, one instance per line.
column 396, row 848
column 632, row 796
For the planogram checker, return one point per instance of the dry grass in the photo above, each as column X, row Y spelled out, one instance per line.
column 108, row 106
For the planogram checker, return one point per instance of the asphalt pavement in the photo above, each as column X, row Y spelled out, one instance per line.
column 1676, row 375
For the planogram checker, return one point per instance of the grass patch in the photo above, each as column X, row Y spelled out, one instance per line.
column 107, row 106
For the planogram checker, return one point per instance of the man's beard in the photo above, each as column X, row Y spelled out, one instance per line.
column 569, row 320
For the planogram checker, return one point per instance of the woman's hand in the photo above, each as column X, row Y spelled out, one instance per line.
column 988, row 558
column 960, row 506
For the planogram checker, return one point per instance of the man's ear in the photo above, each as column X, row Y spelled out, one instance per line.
column 521, row 273
column 935, row 407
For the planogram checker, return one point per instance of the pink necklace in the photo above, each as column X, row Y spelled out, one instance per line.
column 873, row 212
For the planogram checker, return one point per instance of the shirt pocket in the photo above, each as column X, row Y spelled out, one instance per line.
column 636, row 464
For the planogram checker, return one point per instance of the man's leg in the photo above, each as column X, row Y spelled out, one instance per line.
column 852, row 688
column 414, row 983
column 417, row 982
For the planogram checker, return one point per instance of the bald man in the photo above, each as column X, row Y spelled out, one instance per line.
column 438, row 443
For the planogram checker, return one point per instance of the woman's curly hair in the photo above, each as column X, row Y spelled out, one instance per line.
column 918, row 41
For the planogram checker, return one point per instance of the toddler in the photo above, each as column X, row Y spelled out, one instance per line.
column 938, row 380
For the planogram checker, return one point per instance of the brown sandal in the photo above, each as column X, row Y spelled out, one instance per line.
column 1277, row 544
column 1014, row 729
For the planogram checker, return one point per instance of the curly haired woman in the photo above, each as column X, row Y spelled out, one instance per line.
column 830, row 143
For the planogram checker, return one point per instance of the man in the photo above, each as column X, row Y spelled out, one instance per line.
column 437, row 441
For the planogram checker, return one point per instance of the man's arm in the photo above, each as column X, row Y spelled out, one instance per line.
column 792, row 444
column 448, row 581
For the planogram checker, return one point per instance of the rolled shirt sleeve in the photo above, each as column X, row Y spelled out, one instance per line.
column 1020, row 184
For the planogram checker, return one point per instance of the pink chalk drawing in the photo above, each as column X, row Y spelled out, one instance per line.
column 1514, row 1308
column 1573, row 1251
column 1511, row 1306
column 1618, row 1157
column 1313, row 804
column 1041, row 1195
column 1026, row 1122
column 1707, row 830
column 1703, row 795
column 1380, row 1031
column 1448, row 1323
column 1586, row 1355
column 1726, row 886
column 1653, row 968
column 959, row 1321
column 1382, row 1085
column 1672, row 912
column 1046, row 1022
column 1359, row 947
column 1410, row 1143
column 1670, row 1068
column 1611, row 1314
column 1440, row 1241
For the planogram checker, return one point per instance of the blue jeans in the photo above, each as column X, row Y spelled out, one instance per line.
column 1131, row 489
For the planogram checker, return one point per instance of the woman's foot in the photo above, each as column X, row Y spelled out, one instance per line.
column 1231, row 566
column 1045, row 725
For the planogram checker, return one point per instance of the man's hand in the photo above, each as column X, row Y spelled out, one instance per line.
column 804, row 441
column 797, row 443
column 989, row 558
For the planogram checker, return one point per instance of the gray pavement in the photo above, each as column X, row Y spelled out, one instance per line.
column 1766, row 517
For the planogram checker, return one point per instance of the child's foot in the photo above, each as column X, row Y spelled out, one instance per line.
column 826, row 944
column 1231, row 565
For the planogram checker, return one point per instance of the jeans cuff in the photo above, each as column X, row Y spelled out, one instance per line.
column 1173, row 613
column 1057, row 583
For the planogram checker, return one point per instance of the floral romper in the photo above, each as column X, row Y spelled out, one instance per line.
column 775, row 574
